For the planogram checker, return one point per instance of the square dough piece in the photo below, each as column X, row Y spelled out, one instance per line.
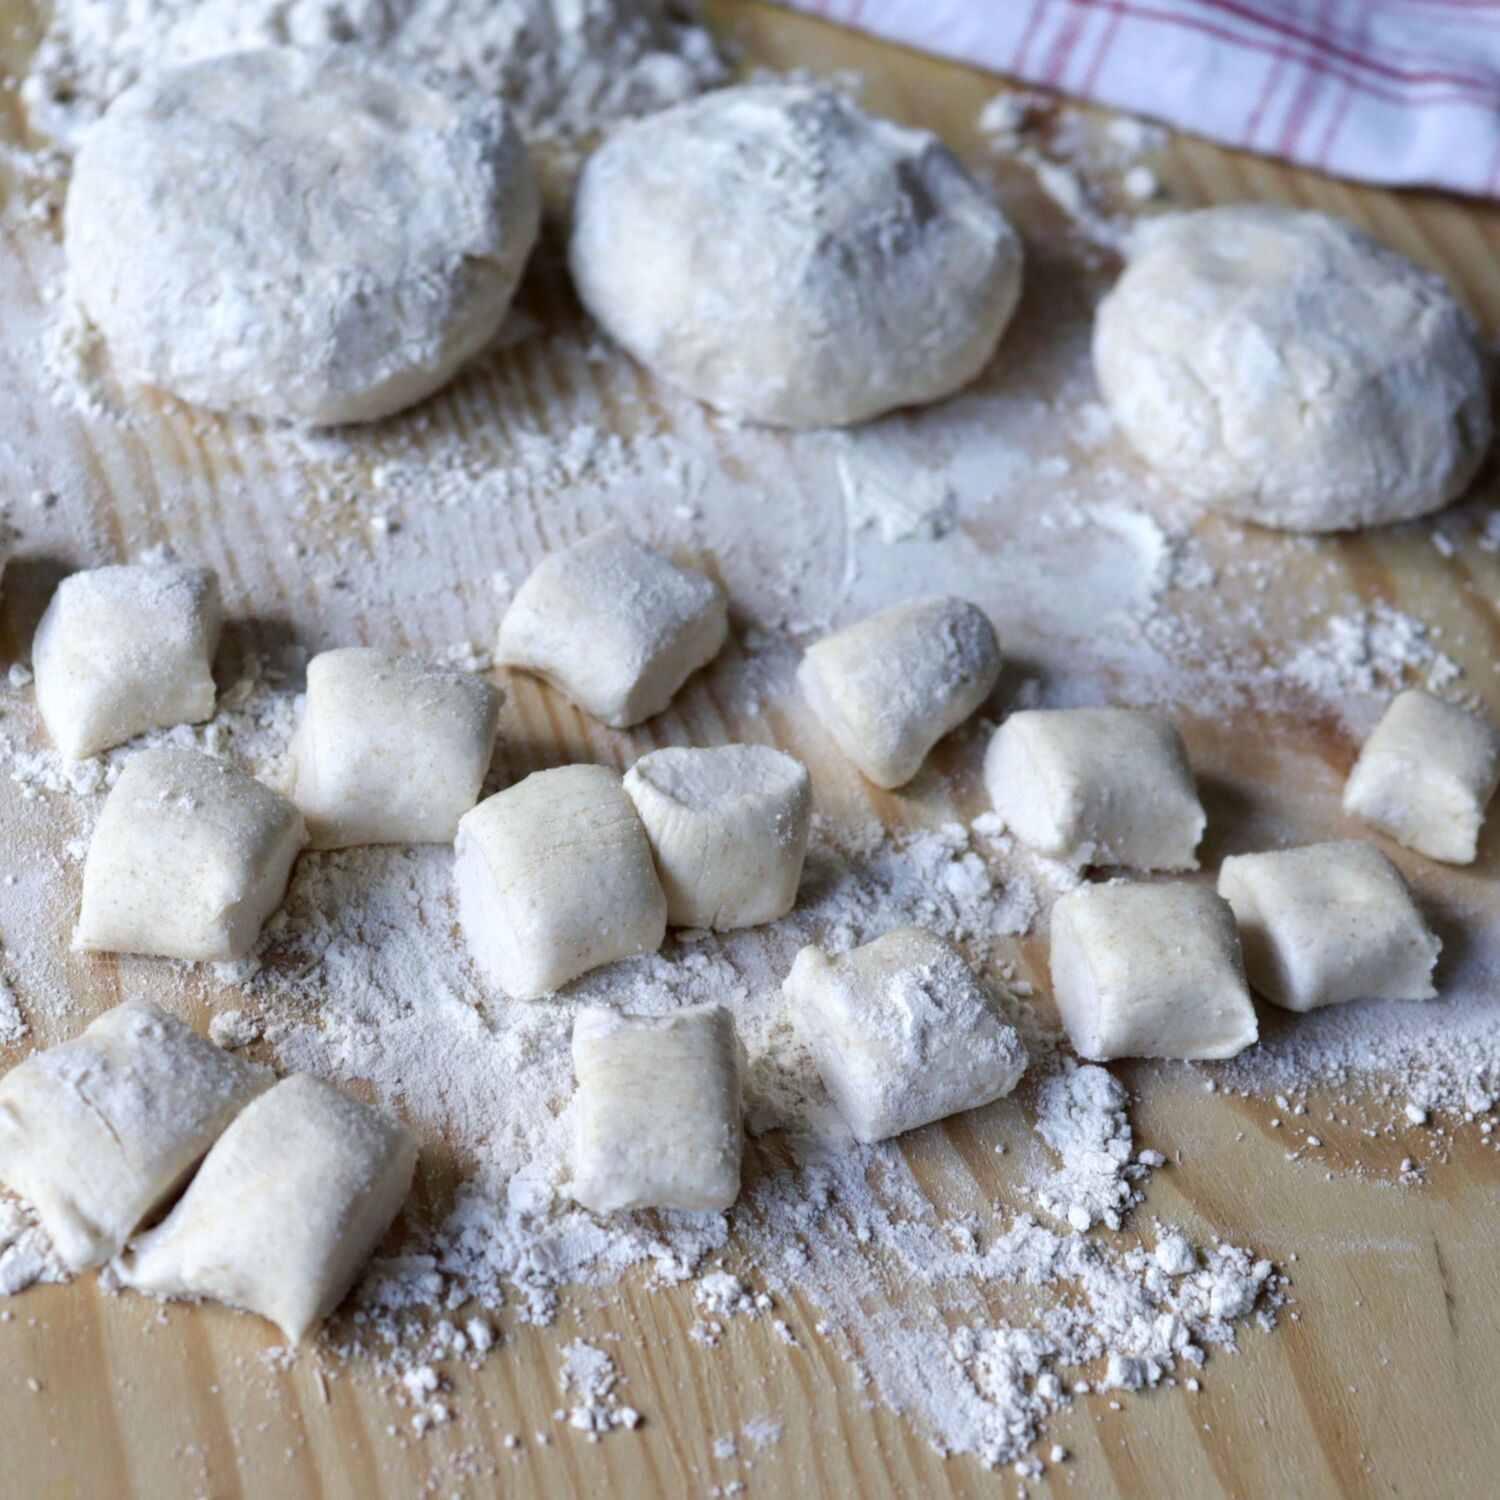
column 98, row 1131
column 903, row 1032
column 1425, row 777
column 889, row 688
column 390, row 749
column 1150, row 971
column 1328, row 923
column 285, row 1210
column 658, row 1110
column 728, row 828
column 188, row 859
column 614, row 625
column 554, row 877
column 122, row 650
column 1096, row 786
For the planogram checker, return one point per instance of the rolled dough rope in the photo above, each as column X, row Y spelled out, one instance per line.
column 188, row 859
column 285, row 1210
column 1329, row 923
column 889, row 688
column 96, row 1132
column 390, row 749
column 1150, row 971
column 657, row 1113
column 728, row 828
column 903, row 1032
column 121, row 650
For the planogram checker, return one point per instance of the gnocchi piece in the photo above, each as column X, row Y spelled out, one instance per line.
column 657, row 1121
column 1328, row 923
column 1425, row 776
column 121, row 650
column 96, row 1132
column 889, row 688
column 188, row 859
column 1150, row 971
column 1096, row 786
column 728, row 827
column 554, row 878
column 903, row 1032
column 390, row 749
column 285, row 1210
column 614, row 625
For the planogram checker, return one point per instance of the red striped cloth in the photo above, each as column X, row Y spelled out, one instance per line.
column 1401, row 92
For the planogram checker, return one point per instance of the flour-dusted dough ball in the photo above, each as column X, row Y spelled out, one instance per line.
column 614, row 625
column 784, row 256
column 728, row 828
column 96, row 1132
column 188, row 859
column 390, row 749
column 889, row 688
column 1328, row 923
column 554, row 878
column 1425, row 777
column 657, row 1121
column 300, row 234
column 285, row 1210
column 903, row 1032
column 1284, row 367
column 121, row 650
column 1096, row 786
column 1150, row 971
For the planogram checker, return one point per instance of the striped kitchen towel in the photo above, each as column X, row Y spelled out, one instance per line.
column 1402, row 92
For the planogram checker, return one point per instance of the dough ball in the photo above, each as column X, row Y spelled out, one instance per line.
column 1284, row 367
column 300, row 235
column 786, row 257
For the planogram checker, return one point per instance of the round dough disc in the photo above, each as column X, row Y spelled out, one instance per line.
column 296, row 234
column 1284, row 367
column 784, row 256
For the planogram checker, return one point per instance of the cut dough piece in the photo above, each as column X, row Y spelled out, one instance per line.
column 96, row 1132
column 784, row 256
column 658, row 1110
column 122, row 650
column 728, row 827
column 1425, row 777
column 889, row 688
column 304, row 234
column 391, row 749
column 1150, row 971
column 617, row 627
column 285, row 1210
column 554, row 878
column 188, row 859
column 1328, row 923
column 1096, row 786
column 1284, row 367
column 903, row 1032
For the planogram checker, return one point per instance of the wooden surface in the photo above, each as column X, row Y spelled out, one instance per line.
column 1383, row 1385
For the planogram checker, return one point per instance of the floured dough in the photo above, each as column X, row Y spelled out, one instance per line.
column 188, row 859
column 121, row 650
column 903, row 1032
column 614, row 625
column 889, row 688
column 657, row 1115
column 97, row 1131
column 728, row 828
column 554, row 877
column 390, row 749
column 301, row 234
column 1283, row 366
column 285, row 1210
column 786, row 257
